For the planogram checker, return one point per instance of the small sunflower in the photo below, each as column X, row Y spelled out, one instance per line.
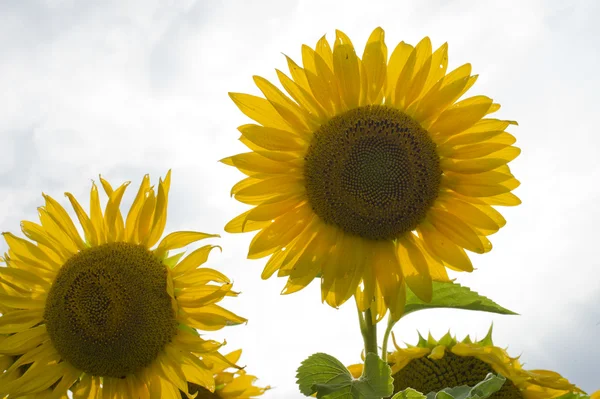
column 431, row 366
column 107, row 314
column 370, row 173
column 229, row 384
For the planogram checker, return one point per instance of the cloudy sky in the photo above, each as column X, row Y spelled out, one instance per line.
column 124, row 88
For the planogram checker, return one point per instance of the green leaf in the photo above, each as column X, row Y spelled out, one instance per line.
column 490, row 385
column 454, row 296
column 330, row 379
column 320, row 368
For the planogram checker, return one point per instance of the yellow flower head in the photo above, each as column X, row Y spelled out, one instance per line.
column 109, row 313
column 230, row 383
column 433, row 365
column 370, row 172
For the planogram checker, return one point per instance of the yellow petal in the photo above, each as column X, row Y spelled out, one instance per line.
column 193, row 260
column 87, row 388
column 387, row 272
column 462, row 139
column 29, row 252
column 198, row 375
column 480, row 165
column 273, row 139
column 25, row 278
column 180, row 239
column 439, row 64
column 302, row 95
column 253, row 162
column 200, row 276
column 310, row 262
column 23, row 341
column 295, row 116
column 324, row 50
column 422, row 69
column 240, row 224
column 280, row 232
column 298, row 75
column 461, row 116
column 273, row 264
column 444, row 248
column 63, row 244
column 353, row 258
column 506, row 199
column 326, row 82
column 264, row 189
column 204, row 295
column 458, row 231
column 145, row 217
column 374, row 61
column 273, row 208
column 112, row 217
column 297, row 246
column 84, row 220
column 398, row 59
column 345, row 67
column 62, row 218
column 471, row 215
column 37, row 233
column 160, row 211
column 210, row 318
column 172, row 370
column 414, row 267
column 20, row 320
column 136, row 208
column 443, row 94
column 96, row 215
column 259, row 110
column 475, row 150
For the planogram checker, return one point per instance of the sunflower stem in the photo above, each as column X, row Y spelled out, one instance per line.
column 386, row 336
column 369, row 332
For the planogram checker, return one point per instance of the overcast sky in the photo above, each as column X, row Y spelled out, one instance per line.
column 124, row 88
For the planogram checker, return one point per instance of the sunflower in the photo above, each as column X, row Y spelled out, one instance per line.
column 106, row 314
column 370, row 173
column 431, row 366
column 229, row 384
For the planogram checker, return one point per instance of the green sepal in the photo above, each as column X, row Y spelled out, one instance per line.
column 330, row 379
column 409, row 393
column 172, row 261
column 454, row 296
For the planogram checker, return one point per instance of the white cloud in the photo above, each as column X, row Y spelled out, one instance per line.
column 126, row 88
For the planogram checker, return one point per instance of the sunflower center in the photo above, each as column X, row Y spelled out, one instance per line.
column 428, row 375
column 372, row 172
column 108, row 312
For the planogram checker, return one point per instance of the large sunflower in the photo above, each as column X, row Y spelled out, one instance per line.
column 432, row 365
column 107, row 314
column 371, row 174
column 230, row 383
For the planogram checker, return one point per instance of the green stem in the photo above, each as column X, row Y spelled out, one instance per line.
column 386, row 337
column 369, row 333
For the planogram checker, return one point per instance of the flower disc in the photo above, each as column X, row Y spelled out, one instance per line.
column 432, row 375
column 372, row 172
column 108, row 312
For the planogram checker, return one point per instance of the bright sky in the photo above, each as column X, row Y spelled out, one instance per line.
column 124, row 88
